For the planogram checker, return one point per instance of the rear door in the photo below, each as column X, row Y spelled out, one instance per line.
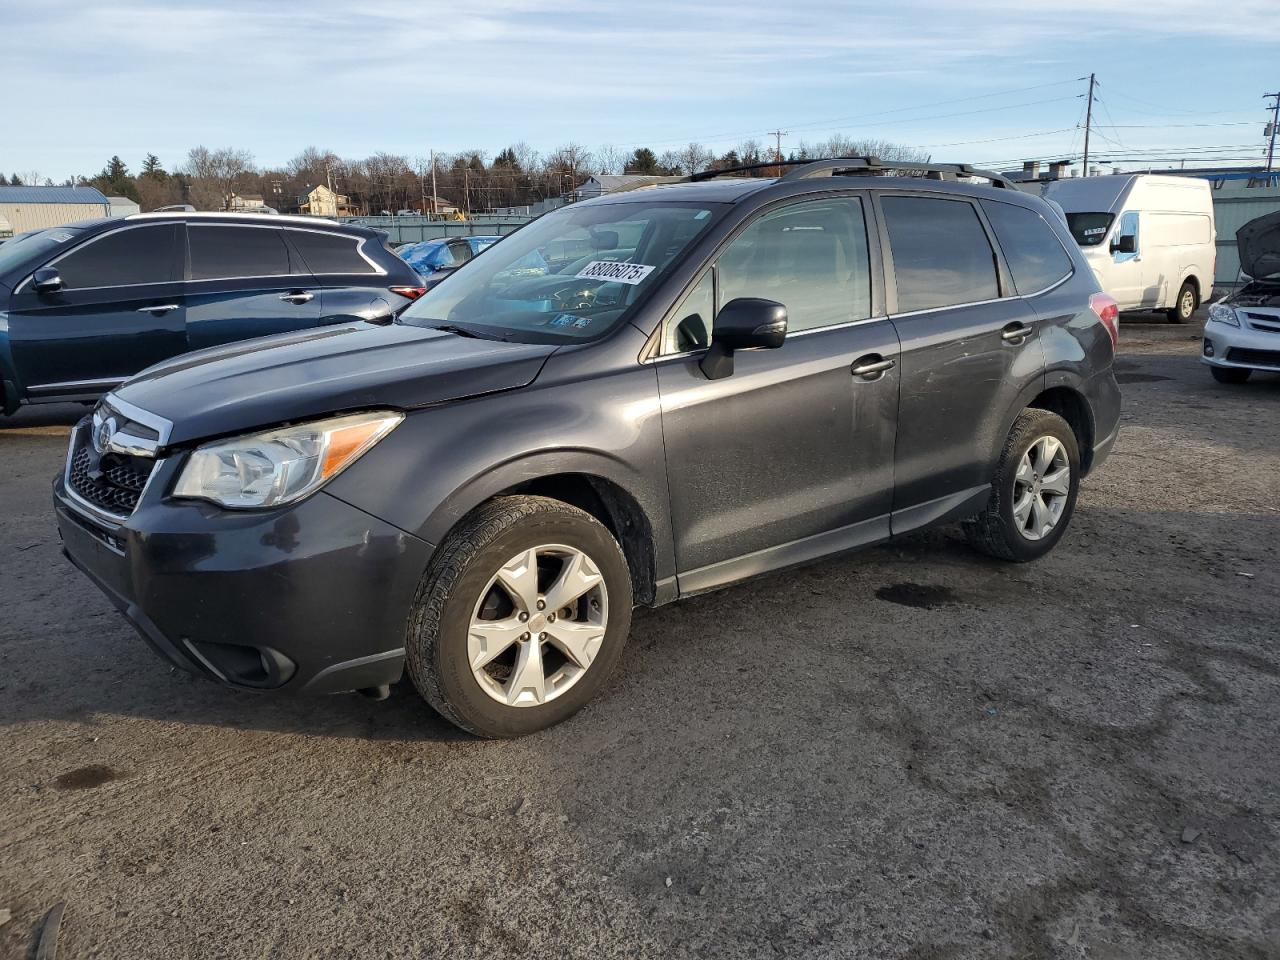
column 243, row 281
column 120, row 309
column 969, row 348
column 347, row 275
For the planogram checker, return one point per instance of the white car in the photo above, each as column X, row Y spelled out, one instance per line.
column 1243, row 331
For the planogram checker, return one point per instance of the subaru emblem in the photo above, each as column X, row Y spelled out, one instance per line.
column 103, row 432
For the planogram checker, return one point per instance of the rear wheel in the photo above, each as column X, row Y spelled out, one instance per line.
column 1230, row 374
column 1185, row 306
column 521, row 617
column 1034, row 491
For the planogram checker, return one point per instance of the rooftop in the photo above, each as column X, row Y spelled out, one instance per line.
column 52, row 195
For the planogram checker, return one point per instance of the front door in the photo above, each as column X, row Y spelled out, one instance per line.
column 969, row 347
column 120, row 309
column 244, row 281
column 791, row 456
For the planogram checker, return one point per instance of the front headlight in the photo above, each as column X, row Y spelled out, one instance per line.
column 1221, row 313
column 280, row 466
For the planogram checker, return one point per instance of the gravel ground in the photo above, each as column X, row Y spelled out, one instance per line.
column 912, row 752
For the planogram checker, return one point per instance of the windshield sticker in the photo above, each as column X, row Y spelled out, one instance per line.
column 628, row 273
column 1094, row 231
column 60, row 237
column 562, row 320
column 582, row 322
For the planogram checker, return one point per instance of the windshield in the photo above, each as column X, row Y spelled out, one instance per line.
column 1089, row 229
column 32, row 246
column 571, row 275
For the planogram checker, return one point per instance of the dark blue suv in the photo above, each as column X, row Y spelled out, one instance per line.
column 85, row 306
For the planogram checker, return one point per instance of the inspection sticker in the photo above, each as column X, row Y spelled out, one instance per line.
column 629, row 273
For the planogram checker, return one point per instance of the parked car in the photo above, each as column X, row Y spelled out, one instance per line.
column 1243, row 330
column 443, row 254
column 1149, row 239
column 481, row 491
column 87, row 305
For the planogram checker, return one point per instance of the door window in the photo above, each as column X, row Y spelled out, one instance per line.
column 1035, row 256
column 810, row 256
column 121, row 258
column 941, row 254
column 223, row 253
column 330, row 252
column 1128, row 227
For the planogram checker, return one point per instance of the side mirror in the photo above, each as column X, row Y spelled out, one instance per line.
column 748, row 323
column 46, row 280
column 1125, row 244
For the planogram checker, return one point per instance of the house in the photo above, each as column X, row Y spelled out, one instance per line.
column 320, row 201
column 599, row 184
column 34, row 208
column 123, row 207
column 246, row 203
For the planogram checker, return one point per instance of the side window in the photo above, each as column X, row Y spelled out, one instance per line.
column 223, row 253
column 690, row 325
column 461, row 251
column 122, row 258
column 941, row 255
column 329, row 252
column 1128, row 227
column 809, row 256
column 1031, row 248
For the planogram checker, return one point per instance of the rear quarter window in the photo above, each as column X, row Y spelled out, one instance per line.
column 330, row 252
column 1035, row 256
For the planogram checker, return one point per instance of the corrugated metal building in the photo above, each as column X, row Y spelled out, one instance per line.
column 34, row 208
column 1237, row 199
column 123, row 207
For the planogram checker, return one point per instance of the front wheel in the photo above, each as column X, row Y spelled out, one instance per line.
column 521, row 617
column 1230, row 374
column 1185, row 306
column 1034, row 491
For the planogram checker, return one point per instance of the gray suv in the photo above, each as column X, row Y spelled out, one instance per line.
column 631, row 400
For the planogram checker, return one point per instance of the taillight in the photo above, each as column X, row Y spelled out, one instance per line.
column 1108, row 311
column 409, row 293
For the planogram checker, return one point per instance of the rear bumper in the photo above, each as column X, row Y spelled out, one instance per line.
column 314, row 598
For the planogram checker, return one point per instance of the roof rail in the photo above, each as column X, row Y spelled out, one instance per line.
column 842, row 166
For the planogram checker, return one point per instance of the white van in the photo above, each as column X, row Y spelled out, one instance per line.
column 1149, row 239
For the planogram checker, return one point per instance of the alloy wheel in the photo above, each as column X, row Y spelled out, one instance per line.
column 538, row 625
column 1041, row 487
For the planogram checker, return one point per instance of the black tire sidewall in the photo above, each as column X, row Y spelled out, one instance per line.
column 480, row 712
column 1028, row 429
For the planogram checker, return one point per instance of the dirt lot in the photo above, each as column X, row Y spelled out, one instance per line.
column 911, row 753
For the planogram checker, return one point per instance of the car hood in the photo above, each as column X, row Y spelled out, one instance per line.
column 1259, row 245
column 292, row 377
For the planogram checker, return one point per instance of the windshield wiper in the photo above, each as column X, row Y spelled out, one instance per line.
column 453, row 328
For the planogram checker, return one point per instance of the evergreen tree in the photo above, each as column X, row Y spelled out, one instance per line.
column 15, row 181
column 642, row 161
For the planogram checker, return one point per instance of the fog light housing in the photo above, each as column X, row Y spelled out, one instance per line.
column 1208, row 348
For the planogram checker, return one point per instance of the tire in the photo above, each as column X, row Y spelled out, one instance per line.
column 1184, row 307
column 1001, row 530
column 1230, row 374
column 464, row 589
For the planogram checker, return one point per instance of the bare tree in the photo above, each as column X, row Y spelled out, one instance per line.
column 216, row 174
column 695, row 158
column 609, row 159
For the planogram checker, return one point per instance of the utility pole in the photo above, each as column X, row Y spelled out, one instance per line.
column 1088, row 122
column 435, row 197
column 777, row 149
column 1275, row 122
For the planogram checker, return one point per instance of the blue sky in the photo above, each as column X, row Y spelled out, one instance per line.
column 986, row 82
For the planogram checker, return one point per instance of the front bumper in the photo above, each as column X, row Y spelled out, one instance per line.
column 1227, row 346
column 313, row 597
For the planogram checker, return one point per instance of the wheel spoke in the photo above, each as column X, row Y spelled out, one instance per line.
column 577, row 577
column 1022, row 509
column 1046, row 450
column 1041, row 518
column 487, row 639
column 1025, row 470
column 528, row 683
column 1058, row 482
column 520, row 579
column 578, row 641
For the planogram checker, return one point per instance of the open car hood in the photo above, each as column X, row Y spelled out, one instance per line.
column 298, row 376
column 1259, row 245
